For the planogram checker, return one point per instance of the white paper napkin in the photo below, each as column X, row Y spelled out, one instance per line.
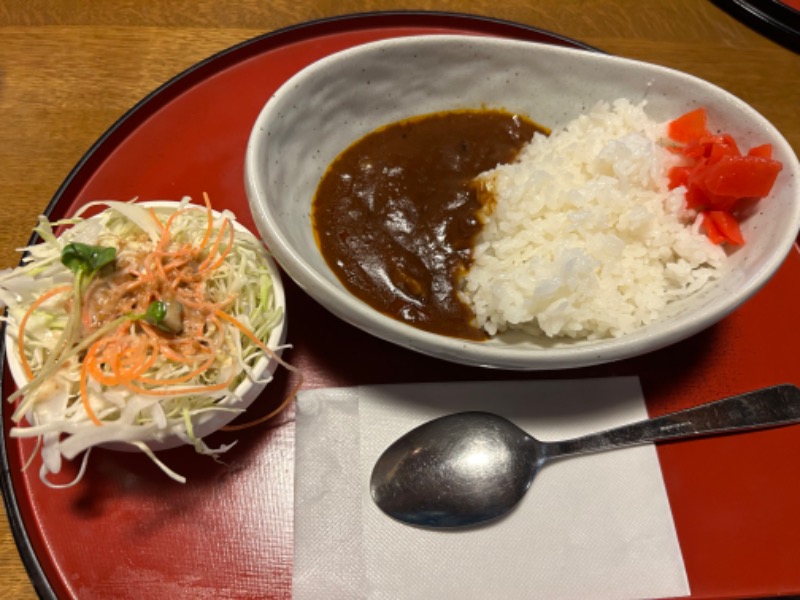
column 594, row 526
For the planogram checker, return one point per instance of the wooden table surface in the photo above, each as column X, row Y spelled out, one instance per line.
column 69, row 69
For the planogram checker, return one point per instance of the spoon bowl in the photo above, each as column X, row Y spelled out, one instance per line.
column 438, row 476
column 472, row 467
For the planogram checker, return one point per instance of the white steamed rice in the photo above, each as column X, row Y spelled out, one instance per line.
column 584, row 239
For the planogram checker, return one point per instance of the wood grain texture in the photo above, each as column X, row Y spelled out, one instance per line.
column 69, row 69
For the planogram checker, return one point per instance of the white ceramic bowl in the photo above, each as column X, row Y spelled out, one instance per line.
column 247, row 391
column 337, row 100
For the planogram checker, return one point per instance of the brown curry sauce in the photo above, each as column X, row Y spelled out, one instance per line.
column 396, row 214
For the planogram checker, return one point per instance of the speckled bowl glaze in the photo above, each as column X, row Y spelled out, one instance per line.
column 333, row 102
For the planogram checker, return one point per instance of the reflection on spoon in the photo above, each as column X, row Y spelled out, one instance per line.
column 471, row 467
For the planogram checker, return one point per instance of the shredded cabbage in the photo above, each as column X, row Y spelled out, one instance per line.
column 98, row 371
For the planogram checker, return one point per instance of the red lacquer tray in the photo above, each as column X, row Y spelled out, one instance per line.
column 129, row 532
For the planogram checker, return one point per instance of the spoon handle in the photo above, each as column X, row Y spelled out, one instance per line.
column 767, row 407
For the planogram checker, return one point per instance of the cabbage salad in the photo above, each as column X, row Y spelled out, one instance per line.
column 135, row 325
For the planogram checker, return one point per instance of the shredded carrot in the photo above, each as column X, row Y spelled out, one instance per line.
column 24, row 321
column 85, row 397
column 224, row 254
column 183, row 378
column 187, row 391
column 215, row 246
column 126, row 358
column 133, row 359
column 155, row 218
column 188, row 300
column 210, row 225
column 92, row 368
column 179, row 260
column 246, row 331
column 233, row 321
column 165, row 235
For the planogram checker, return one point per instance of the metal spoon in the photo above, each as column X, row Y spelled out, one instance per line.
column 467, row 468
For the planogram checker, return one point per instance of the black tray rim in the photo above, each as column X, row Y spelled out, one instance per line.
column 771, row 18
